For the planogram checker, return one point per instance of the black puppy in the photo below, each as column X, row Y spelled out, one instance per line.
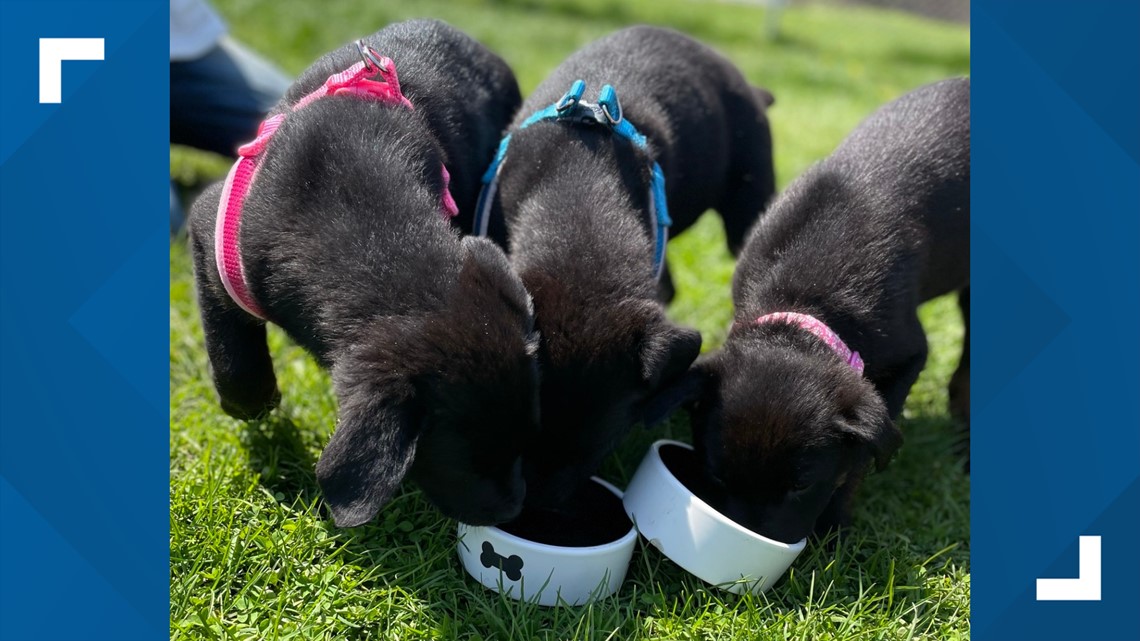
column 705, row 126
column 572, row 198
column 785, row 421
column 342, row 244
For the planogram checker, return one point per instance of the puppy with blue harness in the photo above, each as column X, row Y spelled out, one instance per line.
column 584, row 196
column 606, row 113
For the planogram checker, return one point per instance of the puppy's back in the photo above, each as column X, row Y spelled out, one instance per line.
column 699, row 114
column 915, row 147
column 893, row 198
column 343, row 220
column 917, row 150
column 436, row 63
column 464, row 92
column 643, row 62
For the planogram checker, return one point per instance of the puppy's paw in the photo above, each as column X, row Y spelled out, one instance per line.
column 251, row 406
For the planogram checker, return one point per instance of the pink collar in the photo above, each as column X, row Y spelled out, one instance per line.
column 355, row 81
column 821, row 331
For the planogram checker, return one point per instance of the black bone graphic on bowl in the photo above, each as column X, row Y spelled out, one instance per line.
column 511, row 566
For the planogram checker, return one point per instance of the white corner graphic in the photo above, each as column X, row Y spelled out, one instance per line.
column 53, row 51
column 1086, row 587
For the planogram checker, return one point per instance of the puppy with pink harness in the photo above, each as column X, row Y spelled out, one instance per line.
column 356, row 81
column 329, row 225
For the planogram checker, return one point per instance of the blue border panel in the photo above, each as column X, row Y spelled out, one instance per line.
column 1056, row 314
column 84, row 326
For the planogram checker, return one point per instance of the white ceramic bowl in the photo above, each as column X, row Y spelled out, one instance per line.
column 696, row 537
column 545, row 574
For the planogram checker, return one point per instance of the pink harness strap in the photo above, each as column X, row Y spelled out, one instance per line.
column 355, row 81
column 821, row 331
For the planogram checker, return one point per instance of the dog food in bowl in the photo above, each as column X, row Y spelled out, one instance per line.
column 571, row 556
column 694, row 535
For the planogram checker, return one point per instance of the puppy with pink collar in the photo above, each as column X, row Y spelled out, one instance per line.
column 802, row 399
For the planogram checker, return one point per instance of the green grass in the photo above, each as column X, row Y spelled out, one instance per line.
column 251, row 558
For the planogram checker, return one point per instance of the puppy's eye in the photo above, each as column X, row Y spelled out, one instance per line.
column 799, row 487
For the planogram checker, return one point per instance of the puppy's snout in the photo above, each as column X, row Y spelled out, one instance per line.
column 772, row 521
column 742, row 513
column 550, row 490
column 492, row 509
column 485, row 500
column 514, row 490
column 502, row 507
column 507, row 512
column 505, row 501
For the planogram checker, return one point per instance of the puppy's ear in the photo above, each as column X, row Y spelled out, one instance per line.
column 371, row 449
column 870, row 424
column 483, row 252
column 766, row 98
column 487, row 266
column 667, row 351
column 682, row 391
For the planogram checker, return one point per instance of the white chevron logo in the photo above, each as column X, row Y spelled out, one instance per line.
column 1086, row 587
column 53, row 51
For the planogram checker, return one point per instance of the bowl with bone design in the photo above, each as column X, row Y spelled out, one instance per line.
column 571, row 556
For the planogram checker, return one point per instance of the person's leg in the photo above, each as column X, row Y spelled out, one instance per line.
column 218, row 100
column 177, row 216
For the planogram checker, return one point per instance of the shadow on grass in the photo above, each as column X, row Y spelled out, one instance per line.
column 280, row 456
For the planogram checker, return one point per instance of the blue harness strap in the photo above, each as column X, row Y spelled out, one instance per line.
column 607, row 112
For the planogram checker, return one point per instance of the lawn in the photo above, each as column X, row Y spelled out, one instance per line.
column 251, row 557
